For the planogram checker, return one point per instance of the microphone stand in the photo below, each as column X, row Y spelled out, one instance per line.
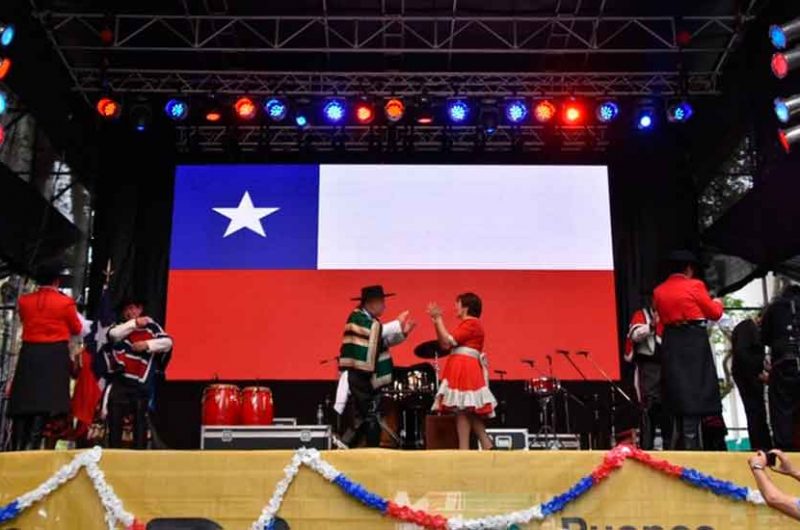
column 577, row 368
column 502, row 407
column 615, row 389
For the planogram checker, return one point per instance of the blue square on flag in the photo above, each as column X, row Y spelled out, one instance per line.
column 245, row 217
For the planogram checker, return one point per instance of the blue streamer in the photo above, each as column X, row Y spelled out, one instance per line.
column 360, row 493
column 715, row 485
column 9, row 511
column 559, row 502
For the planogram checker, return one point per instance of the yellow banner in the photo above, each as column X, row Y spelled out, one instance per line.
column 231, row 488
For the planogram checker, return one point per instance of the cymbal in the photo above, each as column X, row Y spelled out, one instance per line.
column 429, row 350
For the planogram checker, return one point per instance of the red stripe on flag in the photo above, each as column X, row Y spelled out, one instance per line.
column 260, row 324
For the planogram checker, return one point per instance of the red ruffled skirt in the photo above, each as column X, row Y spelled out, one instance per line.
column 464, row 388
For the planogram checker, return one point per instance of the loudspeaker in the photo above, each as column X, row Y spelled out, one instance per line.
column 182, row 524
column 440, row 432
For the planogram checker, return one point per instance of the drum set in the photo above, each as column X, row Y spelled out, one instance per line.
column 226, row 404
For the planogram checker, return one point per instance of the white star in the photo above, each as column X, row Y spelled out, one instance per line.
column 245, row 216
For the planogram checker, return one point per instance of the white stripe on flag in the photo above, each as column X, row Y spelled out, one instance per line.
column 464, row 217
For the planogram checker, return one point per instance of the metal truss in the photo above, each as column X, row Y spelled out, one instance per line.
column 399, row 33
column 90, row 80
column 389, row 139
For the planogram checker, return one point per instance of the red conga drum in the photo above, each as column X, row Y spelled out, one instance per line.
column 222, row 405
column 257, row 406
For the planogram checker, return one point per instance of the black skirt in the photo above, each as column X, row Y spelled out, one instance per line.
column 41, row 380
column 690, row 376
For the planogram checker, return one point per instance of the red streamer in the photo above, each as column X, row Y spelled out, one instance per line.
column 418, row 517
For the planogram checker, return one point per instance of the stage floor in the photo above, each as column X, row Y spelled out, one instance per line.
column 232, row 488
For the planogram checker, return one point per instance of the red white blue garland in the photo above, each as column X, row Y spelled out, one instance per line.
column 116, row 515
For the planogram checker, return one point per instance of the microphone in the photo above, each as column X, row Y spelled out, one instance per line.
column 565, row 353
column 326, row 361
column 583, row 353
column 500, row 372
column 529, row 362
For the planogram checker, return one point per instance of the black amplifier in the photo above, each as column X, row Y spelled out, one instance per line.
column 265, row 437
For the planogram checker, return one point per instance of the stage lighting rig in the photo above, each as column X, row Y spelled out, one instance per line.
column 645, row 117
column 3, row 102
column 5, row 67
column 276, row 109
column 572, row 112
column 544, row 111
column 607, row 111
column 245, row 108
column 141, row 116
column 423, row 113
column 680, row 112
column 516, row 111
column 785, row 108
column 489, row 117
column 364, row 112
column 176, row 109
column 782, row 35
column 7, row 32
column 334, row 111
column 394, row 109
column 458, row 111
column 789, row 137
column 108, row 108
column 2, row 135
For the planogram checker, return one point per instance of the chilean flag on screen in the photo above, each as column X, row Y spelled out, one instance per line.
column 266, row 258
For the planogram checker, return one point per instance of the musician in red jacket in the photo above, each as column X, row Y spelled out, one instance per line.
column 40, row 389
column 690, row 377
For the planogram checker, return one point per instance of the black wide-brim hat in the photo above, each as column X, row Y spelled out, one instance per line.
column 372, row 292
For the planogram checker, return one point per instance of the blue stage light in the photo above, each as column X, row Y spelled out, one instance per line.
column 607, row 111
column 176, row 109
column 679, row 112
column 334, row 111
column 276, row 109
column 645, row 120
column 457, row 110
column 7, row 34
column 516, row 111
column 781, row 110
column 300, row 120
column 777, row 36
column 3, row 103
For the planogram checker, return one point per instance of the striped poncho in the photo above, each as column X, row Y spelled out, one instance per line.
column 365, row 346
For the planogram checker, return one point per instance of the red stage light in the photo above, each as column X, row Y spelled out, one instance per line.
column 108, row 108
column 544, row 111
column 213, row 116
column 5, row 66
column 425, row 119
column 573, row 113
column 245, row 108
column 394, row 109
column 365, row 113
column 779, row 64
column 784, row 141
column 2, row 135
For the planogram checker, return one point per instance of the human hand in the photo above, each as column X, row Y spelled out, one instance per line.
column 140, row 346
column 434, row 310
column 764, row 377
column 719, row 301
column 760, row 458
column 782, row 463
column 142, row 321
column 402, row 317
column 408, row 326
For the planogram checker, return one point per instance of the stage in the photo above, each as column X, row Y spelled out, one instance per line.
column 233, row 487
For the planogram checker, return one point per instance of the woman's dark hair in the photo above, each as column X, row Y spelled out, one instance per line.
column 48, row 273
column 472, row 302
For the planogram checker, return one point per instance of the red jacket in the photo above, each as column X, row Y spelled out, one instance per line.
column 48, row 316
column 681, row 298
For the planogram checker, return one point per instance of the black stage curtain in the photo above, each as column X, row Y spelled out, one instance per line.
column 652, row 213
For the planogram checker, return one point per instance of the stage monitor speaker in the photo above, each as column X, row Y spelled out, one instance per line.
column 440, row 432
column 183, row 524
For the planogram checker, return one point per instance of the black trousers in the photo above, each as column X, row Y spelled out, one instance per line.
column 687, row 433
column 784, row 397
column 654, row 415
column 755, row 408
column 128, row 398
column 27, row 431
column 366, row 414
